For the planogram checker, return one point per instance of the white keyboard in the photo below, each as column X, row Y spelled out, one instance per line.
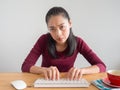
column 61, row 83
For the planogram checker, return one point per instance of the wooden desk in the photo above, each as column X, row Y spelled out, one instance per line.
column 6, row 78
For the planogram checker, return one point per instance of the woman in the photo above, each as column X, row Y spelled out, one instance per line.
column 59, row 49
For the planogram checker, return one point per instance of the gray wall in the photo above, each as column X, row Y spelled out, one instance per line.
column 22, row 22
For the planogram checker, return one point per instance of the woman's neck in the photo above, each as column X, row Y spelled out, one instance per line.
column 61, row 47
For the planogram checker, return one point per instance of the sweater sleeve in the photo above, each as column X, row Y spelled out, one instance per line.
column 34, row 54
column 90, row 56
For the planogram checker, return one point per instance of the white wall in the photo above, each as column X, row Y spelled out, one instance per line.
column 22, row 22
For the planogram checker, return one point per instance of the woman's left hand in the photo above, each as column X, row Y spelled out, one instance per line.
column 74, row 74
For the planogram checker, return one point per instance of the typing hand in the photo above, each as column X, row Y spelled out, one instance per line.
column 51, row 73
column 74, row 74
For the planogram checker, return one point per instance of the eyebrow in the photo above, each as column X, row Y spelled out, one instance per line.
column 57, row 25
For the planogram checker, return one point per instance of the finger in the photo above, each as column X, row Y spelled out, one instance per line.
column 57, row 74
column 46, row 75
column 69, row 73
column 72, row 73
column 76, row 74
column 49, row 73
column 53, row 73
column 80, row 75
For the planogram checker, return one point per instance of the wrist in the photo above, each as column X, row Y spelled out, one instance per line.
column 36, row 69
column 41, row 69
column 83, row 71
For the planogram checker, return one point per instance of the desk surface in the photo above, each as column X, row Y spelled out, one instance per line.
column 6, row 78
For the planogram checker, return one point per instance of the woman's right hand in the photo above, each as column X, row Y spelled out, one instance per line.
column 51, row 73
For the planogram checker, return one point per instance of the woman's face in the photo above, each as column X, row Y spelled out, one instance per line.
column 59, row 28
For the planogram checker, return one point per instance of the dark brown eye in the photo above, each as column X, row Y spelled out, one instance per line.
column 62, row 27
column 52, row 29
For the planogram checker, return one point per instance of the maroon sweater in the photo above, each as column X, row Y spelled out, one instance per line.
column 63, row 63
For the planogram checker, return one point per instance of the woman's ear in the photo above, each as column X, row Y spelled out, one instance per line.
column 70, row 23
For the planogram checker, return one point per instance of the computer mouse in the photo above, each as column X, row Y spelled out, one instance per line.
column 19, row 84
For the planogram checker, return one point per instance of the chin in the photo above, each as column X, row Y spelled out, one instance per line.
column 61, row 42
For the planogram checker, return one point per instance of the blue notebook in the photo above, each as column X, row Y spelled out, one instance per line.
column 100, row 85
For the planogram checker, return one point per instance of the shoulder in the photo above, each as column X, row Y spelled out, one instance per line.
column 79, row 40
column 43, row 38
column 81, row 44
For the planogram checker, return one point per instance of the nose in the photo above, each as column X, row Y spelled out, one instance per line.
column 58, row 32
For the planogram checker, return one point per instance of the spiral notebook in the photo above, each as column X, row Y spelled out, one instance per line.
column 102, row 86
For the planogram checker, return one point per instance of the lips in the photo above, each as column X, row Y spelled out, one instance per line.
column 60, row 39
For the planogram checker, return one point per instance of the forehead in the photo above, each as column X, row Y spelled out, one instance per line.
column 57, row 20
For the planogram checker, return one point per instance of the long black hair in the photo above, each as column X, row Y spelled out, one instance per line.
column 71, row 41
